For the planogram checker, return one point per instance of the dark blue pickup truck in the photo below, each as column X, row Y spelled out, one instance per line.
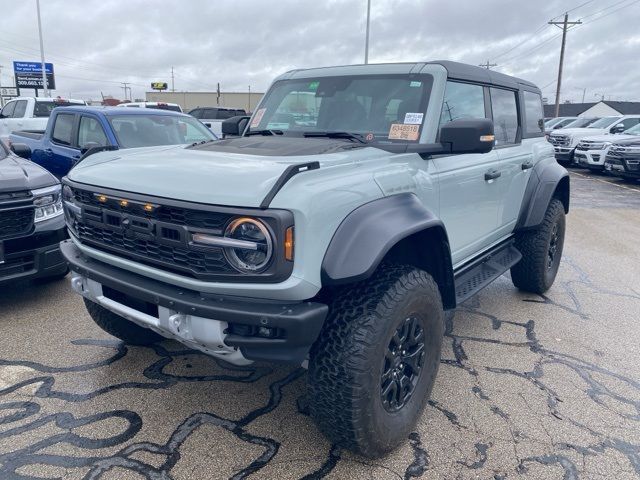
column 73, row 131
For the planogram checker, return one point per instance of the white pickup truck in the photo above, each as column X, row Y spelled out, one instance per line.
column 29, row 113
column 566, row 140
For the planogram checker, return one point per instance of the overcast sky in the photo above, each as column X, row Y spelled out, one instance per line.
column 96, row 44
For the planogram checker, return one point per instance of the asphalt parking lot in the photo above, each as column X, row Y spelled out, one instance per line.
column 530, row 386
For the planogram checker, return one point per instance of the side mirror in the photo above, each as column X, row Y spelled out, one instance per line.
column 555, row 127
column 21, row 150
column 618, row 128
column 88, row 146
column 468, row 136
column 234, row 126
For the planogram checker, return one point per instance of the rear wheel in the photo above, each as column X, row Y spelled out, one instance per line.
column 373, row 366
column 541, row 252
column 119, row 327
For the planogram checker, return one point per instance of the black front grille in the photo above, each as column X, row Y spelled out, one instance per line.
column 15, row 221
column 149, row 251
column 158, row 232
column 165, row 213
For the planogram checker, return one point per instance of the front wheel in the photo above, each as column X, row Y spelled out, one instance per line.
column 541, row 252
column 373, row 366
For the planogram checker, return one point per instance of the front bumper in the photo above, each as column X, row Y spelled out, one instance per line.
column 34, row 256
column 210, row 323
column 616, row 167
column 593, row 159
column 564, row 154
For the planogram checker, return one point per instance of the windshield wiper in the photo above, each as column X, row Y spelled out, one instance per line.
column 350, row 136
column 264, row 132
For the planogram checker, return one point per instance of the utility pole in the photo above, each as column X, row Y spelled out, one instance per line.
column 172, row 81
column 125, row 86
column 584, row 92
column 249, row 106
column 488, row 65
column 366, row 41
column 565, row 26
column 45, row 90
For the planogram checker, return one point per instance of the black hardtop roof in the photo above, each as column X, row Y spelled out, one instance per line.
column 473, row 73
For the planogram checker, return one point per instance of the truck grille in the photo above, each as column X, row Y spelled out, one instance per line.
column 630, row 156
column 16, row 214
column 559, row 140
column 585, row 145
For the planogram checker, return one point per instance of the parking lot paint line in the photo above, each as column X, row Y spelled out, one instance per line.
column 602, row 180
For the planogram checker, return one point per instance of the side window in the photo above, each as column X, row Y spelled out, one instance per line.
column 197, row 113
column 63, row 128
column 21, row 109
column 211, row 113
column 462, row 100
column 533, row 113
column 90, row 131
column 627, row 122
column 505, row 115
column 7, row 111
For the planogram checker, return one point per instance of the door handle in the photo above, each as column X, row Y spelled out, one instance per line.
column 527, row 165
column 491, row 175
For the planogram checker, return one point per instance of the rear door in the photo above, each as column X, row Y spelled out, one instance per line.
column 470, row 184
column 515, row 153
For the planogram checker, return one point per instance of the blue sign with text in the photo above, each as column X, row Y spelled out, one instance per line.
column 32, row 67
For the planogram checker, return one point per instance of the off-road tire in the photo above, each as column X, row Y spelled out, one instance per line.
column 348, row 359
column 119, row 327
column 534, row 272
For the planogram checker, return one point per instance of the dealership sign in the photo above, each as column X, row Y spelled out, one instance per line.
column 8, row 92
column 29, row 75
column 159, row 85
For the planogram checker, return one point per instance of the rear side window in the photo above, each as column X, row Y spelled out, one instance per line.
column 533, row 113
column 210, row 113
column 197, row 113
column 8, row 109
column 62, row 129
column 21, row 109
column 505, row 115
column 462, row 100
column 90, row 131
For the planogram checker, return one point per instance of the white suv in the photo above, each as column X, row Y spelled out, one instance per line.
column 592, row 151
column 566, row 140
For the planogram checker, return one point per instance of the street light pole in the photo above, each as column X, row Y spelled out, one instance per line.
column 366, row 42
column 45, row 90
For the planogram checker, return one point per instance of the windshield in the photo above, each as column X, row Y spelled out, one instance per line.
column 382, row 108
column 150, row 130
column 552, row 122
column 44, row 108
column 603, row 122
column 581, row 123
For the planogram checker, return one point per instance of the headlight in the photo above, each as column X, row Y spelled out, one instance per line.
column 247, row 244
column 47, row 202
column 606, row 145
column 255, row 246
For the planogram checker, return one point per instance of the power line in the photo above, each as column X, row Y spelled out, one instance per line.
column 488, row 65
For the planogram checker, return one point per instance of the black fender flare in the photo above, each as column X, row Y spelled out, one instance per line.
column 369, row 232
column 543, row 183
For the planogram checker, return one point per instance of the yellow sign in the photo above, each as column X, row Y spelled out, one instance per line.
column 159, row 85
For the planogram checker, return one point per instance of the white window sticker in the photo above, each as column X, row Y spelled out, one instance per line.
column 413, row 118
column 399, row 131
column 415, row 84
column 257, row 118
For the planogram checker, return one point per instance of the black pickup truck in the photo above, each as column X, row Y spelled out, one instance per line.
column 623, row 159
column 31, row 221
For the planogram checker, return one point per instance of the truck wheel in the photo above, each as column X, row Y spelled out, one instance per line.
column 373, row 366
column 541, row 252
column 119, row 327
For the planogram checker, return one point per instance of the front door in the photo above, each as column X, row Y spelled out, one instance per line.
column 471, row 185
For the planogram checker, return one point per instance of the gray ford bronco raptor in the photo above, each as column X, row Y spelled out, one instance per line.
column 334, row 228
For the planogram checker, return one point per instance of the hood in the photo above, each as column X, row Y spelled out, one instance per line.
column 212, row 173
column 17, row 174
column 628, row 140
column 602, row 138
column 580, row 131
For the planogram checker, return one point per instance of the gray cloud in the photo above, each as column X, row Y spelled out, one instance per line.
column 95, row 44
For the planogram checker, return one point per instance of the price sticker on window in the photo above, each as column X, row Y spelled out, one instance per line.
column 400, row 131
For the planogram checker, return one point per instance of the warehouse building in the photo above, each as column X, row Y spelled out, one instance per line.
column 605, row 108
column 191, row 100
